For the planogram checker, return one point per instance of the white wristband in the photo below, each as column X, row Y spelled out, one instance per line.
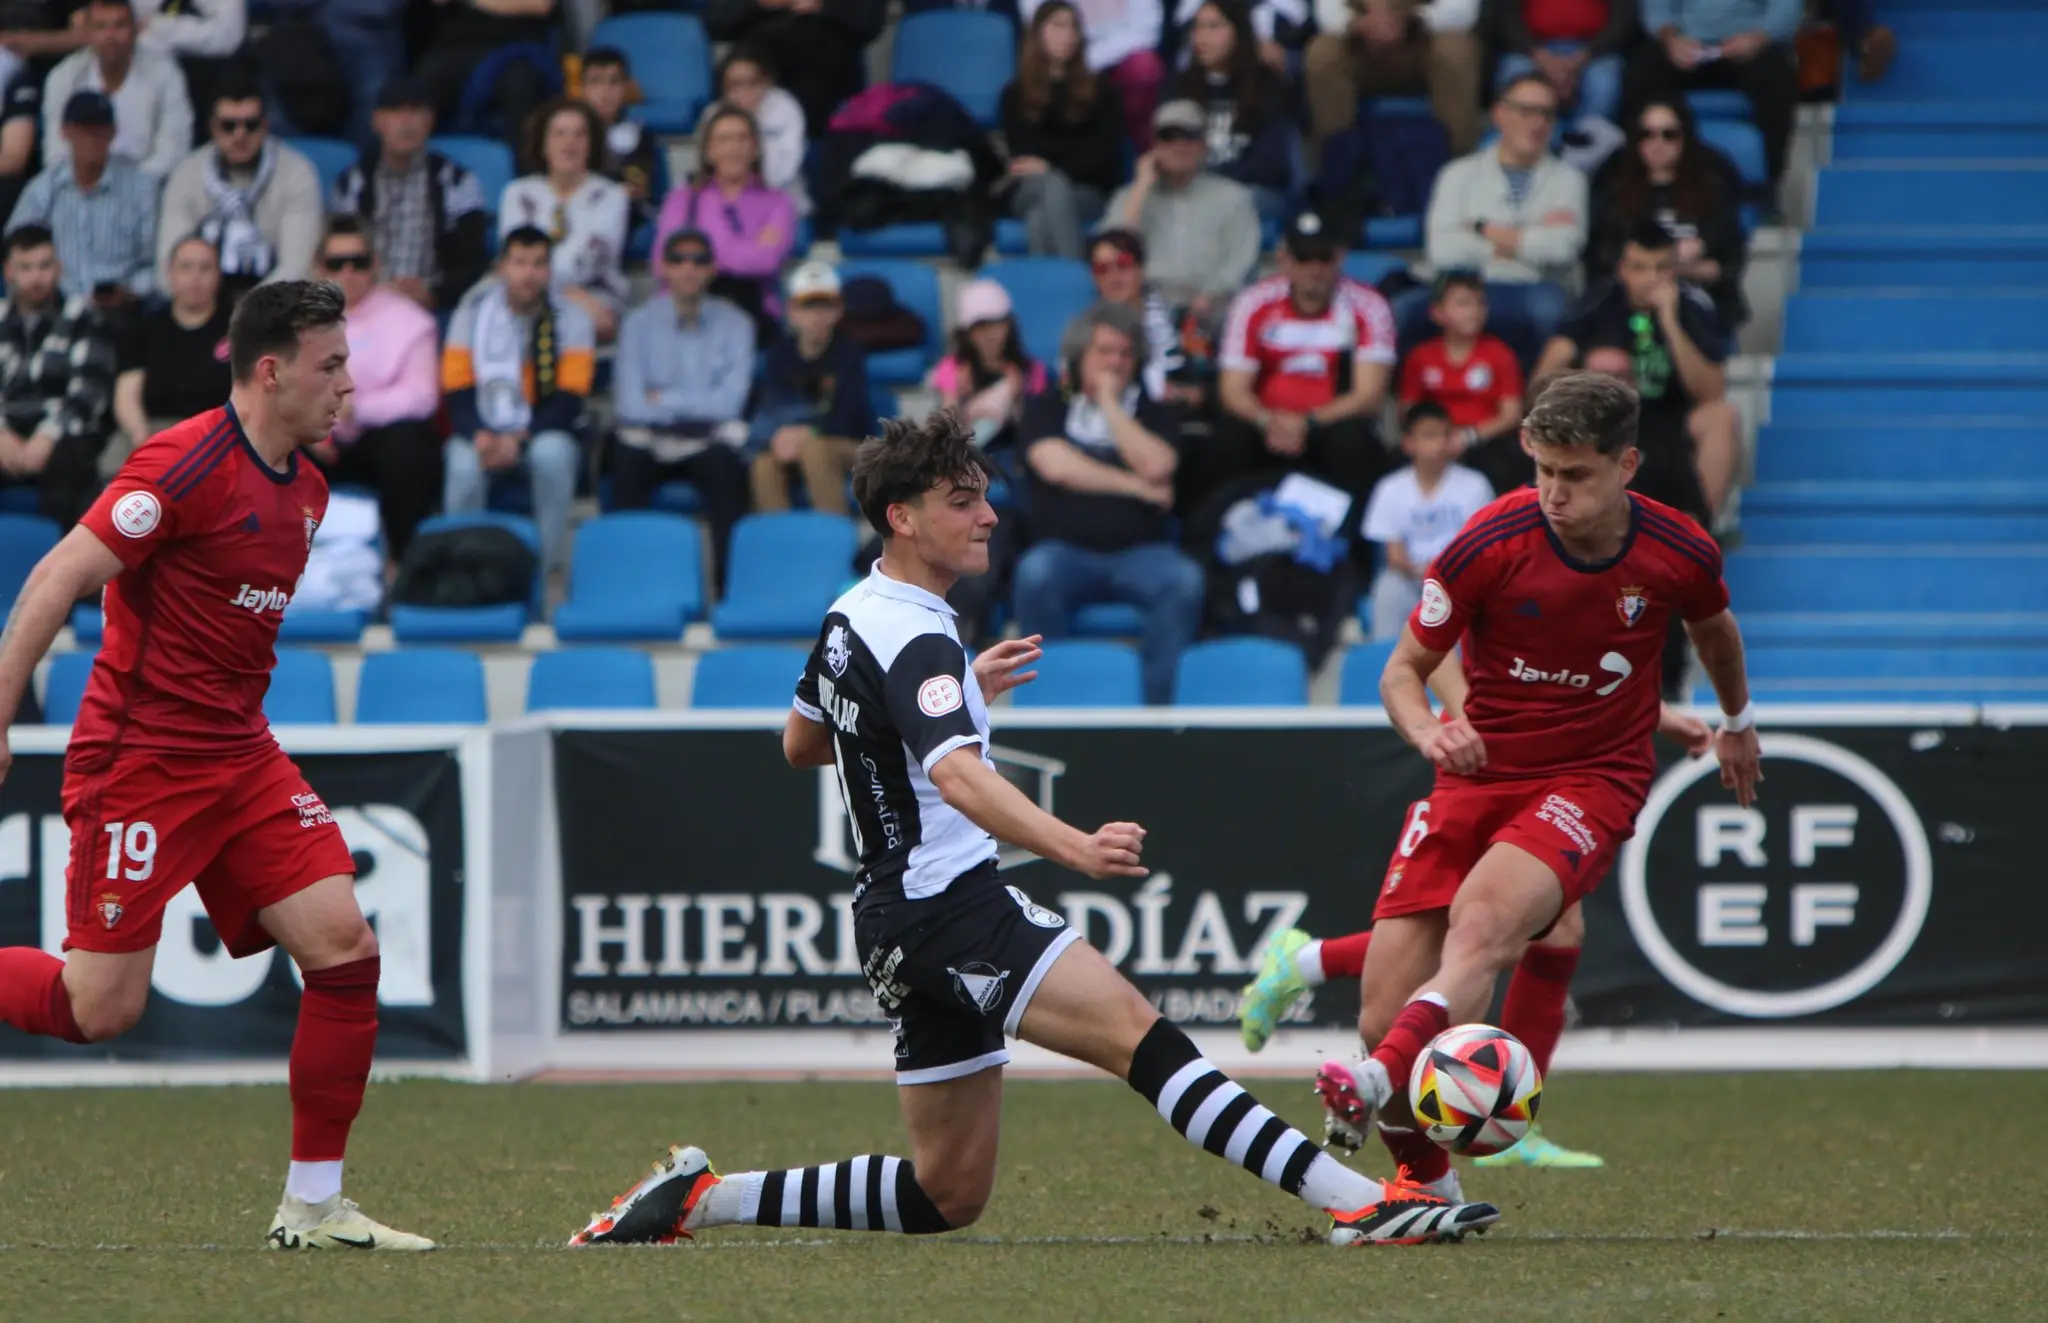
column 1741, row 721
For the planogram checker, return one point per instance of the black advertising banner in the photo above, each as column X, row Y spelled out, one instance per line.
column 706, row 884
column 401, row 814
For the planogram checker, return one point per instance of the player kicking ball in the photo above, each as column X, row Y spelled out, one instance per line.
column 172, row 775
column 957, row 960
column 1562, row 596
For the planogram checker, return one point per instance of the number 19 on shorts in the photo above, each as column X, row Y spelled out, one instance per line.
column 131, row 851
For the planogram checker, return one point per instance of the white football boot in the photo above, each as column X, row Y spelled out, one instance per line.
column 336, row 1224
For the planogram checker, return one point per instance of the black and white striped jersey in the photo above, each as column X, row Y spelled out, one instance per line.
column 890, row 677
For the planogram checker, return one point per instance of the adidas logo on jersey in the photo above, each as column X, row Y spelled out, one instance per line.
column 260, row 600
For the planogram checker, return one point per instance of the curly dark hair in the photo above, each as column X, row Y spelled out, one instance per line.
column 1583, row 409
column 269, row 319
column 911, row 458
column 535, row 140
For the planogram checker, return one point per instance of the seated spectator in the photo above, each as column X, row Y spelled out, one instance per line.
column 1415, row 511
column 187, row 31
column 680, row 384
column 631, row 155
column 747, row 80
column 817, row 46
column 752, row 226
column 174, row 359
column 1743, row 44
column 987, row 376
column 815, row 405
column 1475, row 379
column 1123, row 47
column 101, row 208
column 1282, row 28
column 1201, row 230
column 517, row 369
column 1250, row 128
column 1673, row 178
column 386, row 438
column 21, row 112
column 585, row 214
column 1064, row 129
column 1690, row 435
column 256, row 200
column 56, row 383
column 368, row 41
column 42, row 30
column 1305, row 360
column 515, row 40
column 1116, row 258
column 152, row 112
column 1394, row 48
column 426, row 216
column 1575, row 45
column 1101, row 456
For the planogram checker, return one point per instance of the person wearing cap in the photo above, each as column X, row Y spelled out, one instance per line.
column 152, row 111
column 815, row 406
column 428, row 217
column 101, row 207
column 1201, row 230
column 258, row 201
column 680, row 380
column 987, row 376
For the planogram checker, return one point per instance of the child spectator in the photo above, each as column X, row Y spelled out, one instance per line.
column 747, row 80
column 752, row 226
column 631, row 155
column 1250, row 131
column 1063, row 126
column 1474, row 377
column 988, row 376
column 1415, row 512
column 815, row 405
column 583, row 213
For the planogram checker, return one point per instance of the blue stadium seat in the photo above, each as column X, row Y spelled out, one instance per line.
column 1967, row 69
column 671, row 63
column 754, row 675
column 1718, row 103
column 786, row 571
column 301, row 689
column 1907, row 525
column 65, row 686
column 1359, row 682
column 1741, row 142
column 1081, row 673
column 1921, row 693
column 503, row 623
column 633, row 575
column 1394, row 232
column 421, row 686
column 916, row 287
column 307, row 626
column 1936, row 131
column 1890, row 257
column 24, row 540
column 1820, row 393
column 487, row 158
column 331, row 158
column 2003, row 322
column 1242, row 672
column 925, row 239
column 1896, row 629
column 971, row 53
column 1046, row 293
column 1828, row 452
column 1848, row 663
column 1108, row 620
column 1936, row 579
column 586, row 678
column 1371, row 268
column 1879, row 193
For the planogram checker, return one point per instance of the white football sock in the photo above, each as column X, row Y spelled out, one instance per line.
column 1308, row 963
column 731, row 1202
column 313, row 1182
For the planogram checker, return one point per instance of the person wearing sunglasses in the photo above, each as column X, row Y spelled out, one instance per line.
column 1673, row 178
column 1741, row 44
column 1576, row 44
column 1116, row 258
column 1201, row 230
column 258, row 201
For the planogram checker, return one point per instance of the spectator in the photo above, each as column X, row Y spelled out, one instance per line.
column 1282, row 28
column 1201, row 230
column 817, row 46
column 680, row 383
column 1743, row 44
column 1691, row 435
column 256, row 200
column 752, row 226
column 1123, row 46
column 386, row 438
column 182, row 30
column 101, row 208
column 585, row 214
column 21, row 113
column 815, row 404
column 517, row 369
column 1475, row 379
column 514, row 37
column 1064, row 130
column 174, row 359
column 1305, row 360
column 1575, row 44
column 1684, row 185
column 1116, row 258
column 1415, row 511
column 747, row 80
column 56, row 382
column 987, row 376
column 631, row 156
column 1101, row 456
column 1395, row 48
column 366, row 39
column 152, row 112
column 1250, row 128
column 425, row 214
column 42, row 29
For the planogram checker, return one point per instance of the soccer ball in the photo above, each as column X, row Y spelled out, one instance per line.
column 1475, row 1089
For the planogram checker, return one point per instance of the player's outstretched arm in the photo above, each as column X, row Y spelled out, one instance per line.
column 78, row 566
column 991, row 803
column 806, row 743
column 1404, row 691
column 1718, row 640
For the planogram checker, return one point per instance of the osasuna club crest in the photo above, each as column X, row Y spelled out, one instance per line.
column 1631, row 605
column 110, row 909
column 837, row 651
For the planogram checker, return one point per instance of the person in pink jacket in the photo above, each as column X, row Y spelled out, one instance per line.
column 752, row 227
column 987, row 376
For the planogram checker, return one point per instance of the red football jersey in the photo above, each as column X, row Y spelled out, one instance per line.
column 213, row 542
column 1297, row 359
column 1470, row 391
column 1565, row 657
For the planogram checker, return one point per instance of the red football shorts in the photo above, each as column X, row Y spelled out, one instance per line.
column 245, row 829
column 1574, row 824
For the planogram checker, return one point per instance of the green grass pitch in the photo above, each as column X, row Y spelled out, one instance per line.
column 1769, row 1196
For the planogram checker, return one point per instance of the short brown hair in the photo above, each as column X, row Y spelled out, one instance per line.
column 1583, row 409
column 270, row 318
column 909, row 459
column 536, row 140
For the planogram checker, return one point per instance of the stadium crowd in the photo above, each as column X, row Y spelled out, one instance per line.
column 1212, row 169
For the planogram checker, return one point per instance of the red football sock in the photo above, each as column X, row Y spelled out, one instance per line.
column 1534, row 1011
column 1422, row 1159
column 32, row 994
column 1419, row 1021
column 1344, row 957
column 330, row 1063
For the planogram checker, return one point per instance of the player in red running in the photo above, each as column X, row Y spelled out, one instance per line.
column 1561, row 596
column 172, row 775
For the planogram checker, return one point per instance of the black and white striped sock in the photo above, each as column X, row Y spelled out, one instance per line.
column 1216, row 1115
column 872, row 1193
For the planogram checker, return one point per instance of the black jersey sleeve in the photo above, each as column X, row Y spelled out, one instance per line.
column 926, row 694
column 806, row 701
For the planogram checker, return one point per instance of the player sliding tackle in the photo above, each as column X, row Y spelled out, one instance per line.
column 1562, row 596
column 957, row 959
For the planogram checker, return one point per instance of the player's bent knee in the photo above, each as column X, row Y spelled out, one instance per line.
column 109, row 1013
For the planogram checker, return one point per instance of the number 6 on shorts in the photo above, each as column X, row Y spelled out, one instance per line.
column 136, row 840
column 1411, row 836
